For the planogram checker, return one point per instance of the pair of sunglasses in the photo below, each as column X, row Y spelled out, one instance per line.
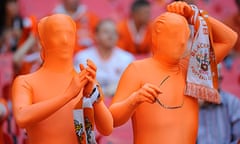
column 162, row 104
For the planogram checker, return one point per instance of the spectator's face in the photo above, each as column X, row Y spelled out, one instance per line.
column 12, row 9
column 142, row 15
column 107, row 35
column 71, row 4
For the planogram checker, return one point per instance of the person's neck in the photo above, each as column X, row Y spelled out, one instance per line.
column 58, row 65
column 166, row 65
column 8, row 22
column 138, row 25
column 105, row 53
column 70, row 11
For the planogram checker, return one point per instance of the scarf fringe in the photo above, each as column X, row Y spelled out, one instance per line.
column 202, row 92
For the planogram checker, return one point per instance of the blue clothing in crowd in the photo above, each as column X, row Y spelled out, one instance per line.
column 220, row 124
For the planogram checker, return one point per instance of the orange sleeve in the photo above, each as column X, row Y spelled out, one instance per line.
column 91, row 25
column 125, row 41
column 146, row 45
column 121, row 30
column 224, row 38
column 28, row 113
column 123, row 106
column 230, row 21
column 103, row 118
column 93, row 21
column 28, row 30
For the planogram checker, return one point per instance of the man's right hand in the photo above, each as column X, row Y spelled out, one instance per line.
column 181, row 8
column 147, row 93
column 190, row 12
column 77, row 84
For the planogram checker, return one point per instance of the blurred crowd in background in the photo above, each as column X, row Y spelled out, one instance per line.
column 112, row 33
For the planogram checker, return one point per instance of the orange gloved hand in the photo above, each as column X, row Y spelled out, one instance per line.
column 223, row 37
column 130, row 95
column 77, row 83
column 181, row 8
column 93, row 92
column 147, row 93
column 190, row 12
column 91, row 70
column 92, row 84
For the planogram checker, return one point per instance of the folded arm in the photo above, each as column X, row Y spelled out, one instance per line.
column 28, row 113
column 103, row 118
column 224, row 38
column 122, row 106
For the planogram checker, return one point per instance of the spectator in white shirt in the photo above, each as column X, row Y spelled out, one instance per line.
column 109, row 59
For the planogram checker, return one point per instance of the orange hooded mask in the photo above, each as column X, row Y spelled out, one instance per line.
column 170, row 34
column 57, row 36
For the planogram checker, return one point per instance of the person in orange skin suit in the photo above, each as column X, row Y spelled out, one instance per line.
column 44, row 100
column 175, row 120
column 134, row 33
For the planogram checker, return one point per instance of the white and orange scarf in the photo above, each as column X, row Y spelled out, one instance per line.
column 202, row 78
column 84, row 118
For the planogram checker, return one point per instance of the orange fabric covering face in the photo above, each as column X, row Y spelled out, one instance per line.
column 140, row 83
column 170, row 34
column 43, row 101
column 56, row 41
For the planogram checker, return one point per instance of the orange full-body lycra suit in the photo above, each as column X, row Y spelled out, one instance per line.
column 43, row 101
column 140, row 84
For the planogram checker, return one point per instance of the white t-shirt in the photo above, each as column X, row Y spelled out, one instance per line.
column 108, row 71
